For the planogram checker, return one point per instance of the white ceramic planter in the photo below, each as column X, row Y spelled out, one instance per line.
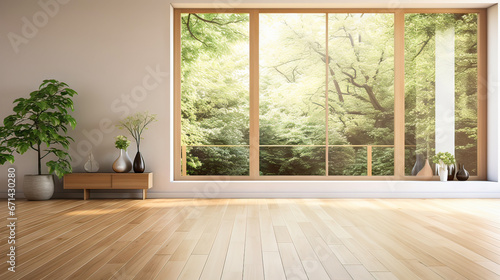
column 443, row 173
column 38, row 187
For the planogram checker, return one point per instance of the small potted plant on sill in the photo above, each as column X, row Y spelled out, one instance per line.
column 122, row 164
column 443, row 160
column 40, row 124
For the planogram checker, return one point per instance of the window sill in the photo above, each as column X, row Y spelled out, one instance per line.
column 331, row 189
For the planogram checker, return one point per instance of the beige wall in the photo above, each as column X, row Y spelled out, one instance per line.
column 116, row 54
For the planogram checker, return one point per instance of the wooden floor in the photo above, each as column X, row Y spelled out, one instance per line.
column 256, row 239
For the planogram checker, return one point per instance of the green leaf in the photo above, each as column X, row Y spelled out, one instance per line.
column 10, row 120
column 19, row 107
column 4, row 157
column 61, row 109
column 10, row 158
column 70, row 92
column 54, row 121
column 22, row 148
column 69, row 104
column 35, row 93
column 19, row 100
column 42, row 105
column 44, row 83
column 51, row 89
column 50, row 167
column 71, row 121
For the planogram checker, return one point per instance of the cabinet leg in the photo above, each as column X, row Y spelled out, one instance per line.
column 86, row 194
column 144, row 194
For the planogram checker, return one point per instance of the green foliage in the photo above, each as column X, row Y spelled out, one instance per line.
column 420, row 45
column 348, row 161
column 215, row 92
column 218, row 161
column 292, row 88
column 383, row 161
column 292, row 161
column 136, row 124
column 443, row 158
column 41, row 120
column 122, row 142
column 292, row 100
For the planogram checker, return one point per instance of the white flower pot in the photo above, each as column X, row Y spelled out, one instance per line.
column 38, row 187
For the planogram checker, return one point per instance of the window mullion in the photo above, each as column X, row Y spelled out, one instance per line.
column 254, row 94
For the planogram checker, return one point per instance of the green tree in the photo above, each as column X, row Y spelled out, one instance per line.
column 295, row 72
column 420, row 31
column 214, row 92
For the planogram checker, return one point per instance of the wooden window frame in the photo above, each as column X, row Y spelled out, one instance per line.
column 399, row 97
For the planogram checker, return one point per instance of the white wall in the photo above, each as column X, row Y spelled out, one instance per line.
column 493, row 105
column 116, row 54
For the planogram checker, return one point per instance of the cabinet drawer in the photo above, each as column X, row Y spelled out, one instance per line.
column 132, row 181
column 84, row 181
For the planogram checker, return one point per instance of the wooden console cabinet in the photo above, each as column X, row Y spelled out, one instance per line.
column 106, row 181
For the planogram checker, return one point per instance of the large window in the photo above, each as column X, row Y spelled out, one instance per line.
column 327, row 95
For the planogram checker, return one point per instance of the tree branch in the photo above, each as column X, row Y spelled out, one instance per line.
column 215, row 22
column 283, row 74
column 423, row 46
column 190, row 32
column 378, row 68
column 369, row 91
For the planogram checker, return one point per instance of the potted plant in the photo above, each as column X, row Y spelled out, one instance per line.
column 40, row 123
column 122, row 164
column 443, row 159
column 136, row 124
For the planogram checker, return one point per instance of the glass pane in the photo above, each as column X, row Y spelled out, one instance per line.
column 361, row 79
column 215, row 89
column 292, row 79
column 412, row 164
column 382, row 161
column 349, row 161
column 292, row 161
column 466, row 91
column 441, row 87
column 217, row 161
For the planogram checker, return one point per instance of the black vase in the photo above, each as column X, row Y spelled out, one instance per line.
column 451, row 172
column 419, row 164
column 139, row 164
column 462, row 174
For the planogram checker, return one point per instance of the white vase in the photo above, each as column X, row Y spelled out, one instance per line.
column 443, row 173
column 122, row 164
